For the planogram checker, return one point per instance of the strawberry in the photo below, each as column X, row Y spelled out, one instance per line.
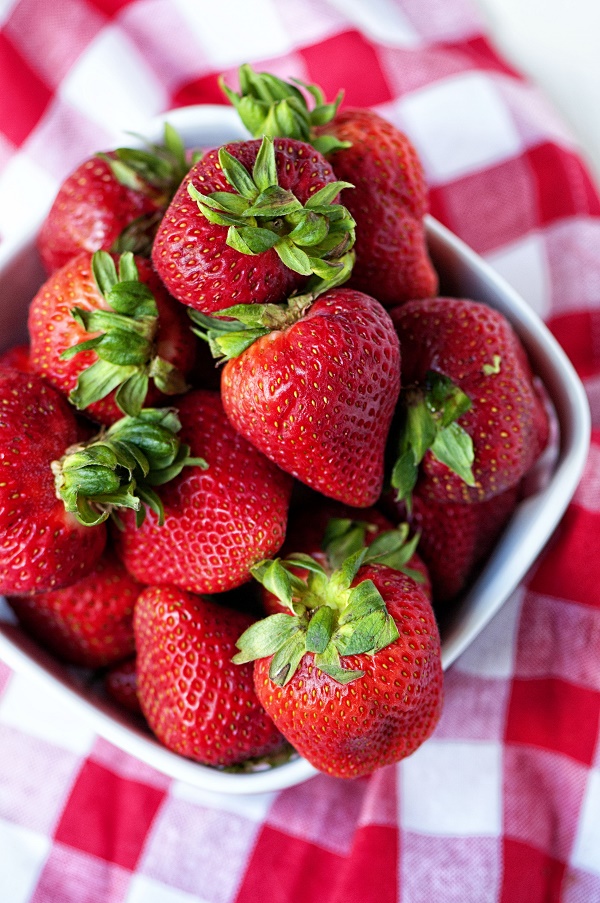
column 388, row 199
column 90, row 622
column 195, row 700
column 352, row 676
column 113, row 202
column 17, row 358
column 42, row 546
column 251, row 222
column 112, row 341
column 472, row 422
column 316, row 391
column 329, row 532
column 217, row 523
column 455, row 538
column 120, row 683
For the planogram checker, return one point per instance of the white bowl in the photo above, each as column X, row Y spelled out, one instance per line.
column 463, row 274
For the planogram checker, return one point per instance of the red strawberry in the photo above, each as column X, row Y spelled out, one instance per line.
column 90, row 622
column 218, row 522
column 353, row 678
column 329, row 532
column 250, row 223
column 473, row 422
column 195, row 700
column 17, row 358
column 113, row 202
column 120, row 683
column 388, row 199
column 41, row 545
column 455, row 538
column 111, row 341
column 317, row 396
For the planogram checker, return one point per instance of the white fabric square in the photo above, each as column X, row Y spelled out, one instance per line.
column 227, row 46
column 22, row 857
column 524, row 264
column 450, row 869
column 459, row 125
column 492, row 653
column 39, row 709
column 574, row 263
column 112, row 84
column 587, row 494
column 26, row 191
column 6, row 7
column 381, row 20
column 144, row 890
column 254, row 806
column 464, row 784
column 586, row 850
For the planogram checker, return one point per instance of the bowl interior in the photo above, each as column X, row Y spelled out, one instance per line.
column 462, row 274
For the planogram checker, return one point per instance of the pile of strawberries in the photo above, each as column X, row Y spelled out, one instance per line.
column 249, row 457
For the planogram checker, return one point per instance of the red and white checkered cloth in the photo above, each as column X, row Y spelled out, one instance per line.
column 503, row 803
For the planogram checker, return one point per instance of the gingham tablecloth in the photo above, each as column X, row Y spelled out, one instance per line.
column 503, row 803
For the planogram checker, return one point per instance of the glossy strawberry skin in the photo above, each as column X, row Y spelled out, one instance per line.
column 388, row 203
column 52, row 329
column 190, row 253
column 349, row 730
column 317, row 398
column 41, row 546
column 90, row 622
column 456, row 538
column 305, row 532
column 219, row 521
column 17, row 358
column 89, row 213
column 507, row 423
column 197, row 702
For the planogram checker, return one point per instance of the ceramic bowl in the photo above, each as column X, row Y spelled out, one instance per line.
column 462, row 274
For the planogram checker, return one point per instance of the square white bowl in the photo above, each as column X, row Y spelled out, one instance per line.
column 463, row 274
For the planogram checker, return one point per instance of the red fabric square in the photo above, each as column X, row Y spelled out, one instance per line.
column 554, row 166
column 529, row 875
column 570, row 568
column 108, row 815
column 298, row 870
column 23, row 97
column 327, row 65
column 110, row 7
column 554, row 715
column 480, row 206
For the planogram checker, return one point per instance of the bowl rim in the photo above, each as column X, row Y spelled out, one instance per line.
column 487, row 595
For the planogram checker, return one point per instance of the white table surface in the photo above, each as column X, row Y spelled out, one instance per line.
column 557, row 44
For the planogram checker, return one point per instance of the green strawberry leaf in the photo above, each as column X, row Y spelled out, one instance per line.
column 320, row 629
column 264, row 638
column 454, row 447
column 329, row 662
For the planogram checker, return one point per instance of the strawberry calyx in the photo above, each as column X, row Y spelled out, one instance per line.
column 328, row 617
column 259, row 215
column 245, row 323
column 120, row 467
column 344, row 537
column 268, row 105
column 429, row 414
column 125, row 342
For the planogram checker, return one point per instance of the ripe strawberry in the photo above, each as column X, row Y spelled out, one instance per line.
column 316, row 395
column 120, row 683
column 250, row 223
column 17, row 358
column 112, row 341
column 42, row 546
column 473, row 423
column 195, row 700
column 217, row 523
column 329, row 532
column 353, row 677
column 90, row 622
column 455, row 538
column 113, row 202
column 388, row 199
